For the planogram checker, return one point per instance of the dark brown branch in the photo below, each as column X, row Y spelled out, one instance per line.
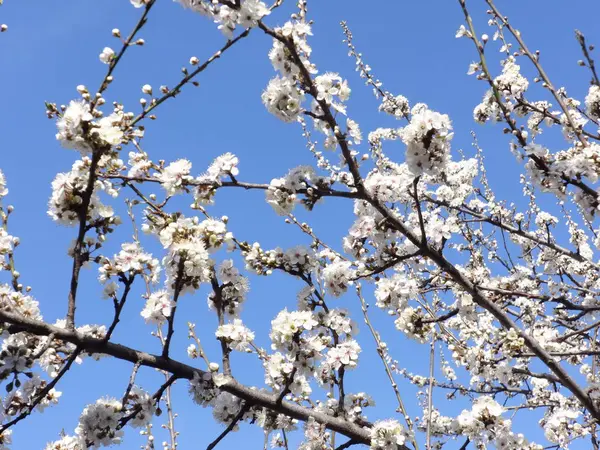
column 173, row 92
column 126, row 44
column 237, row 184
column 119, row 307
column 346, row 445
column 78, row 257
column 581, row 39
column 171, row 319
column 229, row 428
column 42, row 394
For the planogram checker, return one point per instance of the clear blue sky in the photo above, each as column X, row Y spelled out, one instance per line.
column 52, row 46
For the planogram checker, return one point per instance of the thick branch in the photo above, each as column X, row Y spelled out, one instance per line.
column 180, row 370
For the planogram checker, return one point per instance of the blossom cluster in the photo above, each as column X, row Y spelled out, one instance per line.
column 245, row 13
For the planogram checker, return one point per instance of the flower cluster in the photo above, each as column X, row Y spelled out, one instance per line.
column 338, row 276
column 245, row 13
column 223, row 166
column 296, row 32
column 343, row 355
column 330, row 87
column 175, row 176
column 394, row 293
column 69, row 190
column 230, row 296
column 296, row 260
column 592, row 101
column 511, row 83
column 289, row 325
column 282, row 192
column 158, row 307
column 427, row 138
column 98, row 424
column 283, row 99
column 189, row 242
column 78, row 130
column 387, row 435
column 130, row 261
column 236, row 335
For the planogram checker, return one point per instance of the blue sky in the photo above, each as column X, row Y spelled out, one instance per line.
column 51, row 47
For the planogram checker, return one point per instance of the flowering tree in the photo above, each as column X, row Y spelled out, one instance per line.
column 502, row 299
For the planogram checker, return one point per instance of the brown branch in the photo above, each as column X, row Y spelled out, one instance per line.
column 126, row 44
column 220, row 307
column 173, row 92
column 119, row 307
column 229, row 428
column 180, row 370
column 581, row 39
column 236, row 184
column 42, row 394
column 78, row 257
column 171, row 319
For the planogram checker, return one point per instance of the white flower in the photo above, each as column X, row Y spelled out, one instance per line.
column 393, row 293
column 559, row 427
column 130, row 260
column 251, row 12
column 175, row 175
column 147, row 407
column 283, row 99
column 109, row 129
column 67, row 196
column 6, row 242
column 3, row 189
column 287, row 325
column 427, row 140
column 396, row 106
column 77, row 130
column 202, row 389
column 223, row 165
column 140, row 164
column 337, row 276
column 158, row 307
column 71, row 126
column 344, row 354
column 354, row 131
column 484, row 413
column 511, row 83
column 462, row 31
column 330, row 85
column 98, row 423
column 107, row 55
column 387, row 435
column 592, row 101
column 67, row 443
column 486, row 407
column 110, row 289
column 235, row 335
